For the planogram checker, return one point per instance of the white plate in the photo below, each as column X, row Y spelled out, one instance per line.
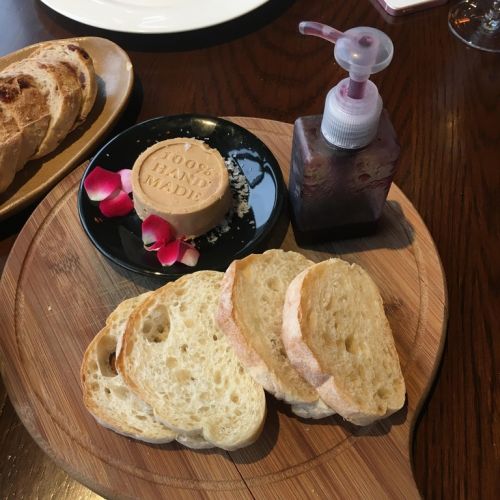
column 152, row 16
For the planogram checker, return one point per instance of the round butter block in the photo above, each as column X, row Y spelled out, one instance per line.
column 185, row 182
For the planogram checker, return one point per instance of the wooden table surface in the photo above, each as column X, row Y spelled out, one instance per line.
column 444, row 100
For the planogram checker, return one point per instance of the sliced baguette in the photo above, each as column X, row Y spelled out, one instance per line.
column 250, row 314
column 106, row 395
column 336, row 334
column 178, row 361
column 24, row 101
column 74, row 56
column 63, row 94
column 11, row 143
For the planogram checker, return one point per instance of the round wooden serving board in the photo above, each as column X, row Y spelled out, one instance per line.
column 57, row 291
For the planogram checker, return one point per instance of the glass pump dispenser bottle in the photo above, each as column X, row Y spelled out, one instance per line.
column 343, row 161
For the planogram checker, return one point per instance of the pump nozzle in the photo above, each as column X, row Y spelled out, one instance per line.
column 352, row 108
column 362, row 51
column 321, row 30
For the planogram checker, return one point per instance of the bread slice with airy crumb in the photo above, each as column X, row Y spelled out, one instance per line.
column 78, row 60
column 336, row 334
column 63, row 93
column 11, row 143
column 176, row 359
column 250, row 314
column 106, row 395
column 23, row 101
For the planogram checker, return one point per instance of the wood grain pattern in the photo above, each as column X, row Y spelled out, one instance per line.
column 47, row 333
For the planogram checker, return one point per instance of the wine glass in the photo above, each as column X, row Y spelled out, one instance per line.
column 477, row 23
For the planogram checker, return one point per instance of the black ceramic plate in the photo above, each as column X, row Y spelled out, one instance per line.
column 262, row 194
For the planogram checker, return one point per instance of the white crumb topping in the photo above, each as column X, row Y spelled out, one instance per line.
column 240, row 207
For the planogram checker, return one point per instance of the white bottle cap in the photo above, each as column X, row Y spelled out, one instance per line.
column 351, row 123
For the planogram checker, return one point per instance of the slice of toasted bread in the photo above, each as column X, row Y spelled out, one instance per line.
column 106, row 395
column 10, row 148
column 337, row 335
column 23, row 100
column 250, row 314
column 178, row 361
column 72, row 54
column 60, row 85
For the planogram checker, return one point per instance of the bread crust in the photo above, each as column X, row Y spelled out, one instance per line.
column 10, row 149
column 47, row 94
column 78, row 58
column 228, row 320
column 104, row 416
column 174, row 295
column 148, row 430
column 307, row 363
column 297, row 350
column 63, row 94
column 22, row 100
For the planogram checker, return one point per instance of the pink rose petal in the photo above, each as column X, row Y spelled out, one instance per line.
column 188, row 254
column 101, row 183
column 117, row 205
column 126, row 178
column 156, row 230
column 158, row 234
column 169, row 254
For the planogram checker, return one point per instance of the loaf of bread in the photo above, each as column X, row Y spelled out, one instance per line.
column 46, row 95
column 250, row 314
column 176, row 359
column 105, row 393
column 337, row 336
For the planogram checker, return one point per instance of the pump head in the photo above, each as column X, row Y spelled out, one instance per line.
column 352, row 108
column 361, row 51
